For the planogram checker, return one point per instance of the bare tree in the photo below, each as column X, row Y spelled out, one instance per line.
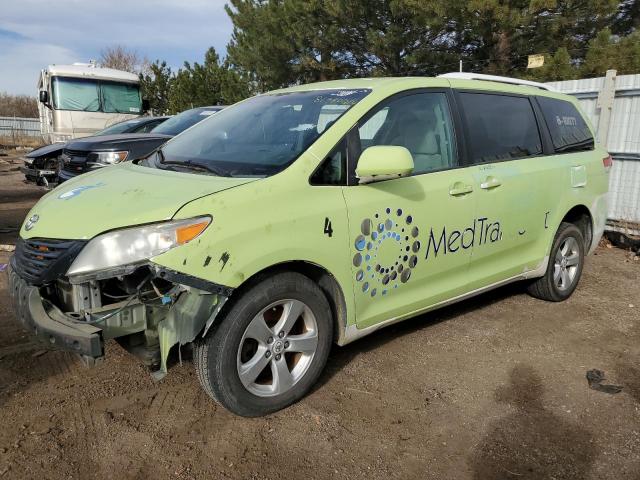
column 122, row 58
column 18, row 106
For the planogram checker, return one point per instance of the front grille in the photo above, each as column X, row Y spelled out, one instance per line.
column 75, row 153
column 40, row 260
column 74, row 161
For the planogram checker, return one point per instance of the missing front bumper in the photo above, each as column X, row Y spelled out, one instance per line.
column 49, row 326
column 148, row 328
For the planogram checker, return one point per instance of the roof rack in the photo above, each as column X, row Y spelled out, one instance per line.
column 496, row 78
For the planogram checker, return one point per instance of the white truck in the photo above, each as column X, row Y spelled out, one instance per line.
column 80, row 99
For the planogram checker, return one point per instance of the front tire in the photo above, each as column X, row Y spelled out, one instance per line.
column 566, row 261
column 269, row 349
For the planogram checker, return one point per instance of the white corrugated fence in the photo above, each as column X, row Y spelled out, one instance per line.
column 16, row 127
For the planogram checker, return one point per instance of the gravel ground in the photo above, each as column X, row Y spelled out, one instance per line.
column 492, row 388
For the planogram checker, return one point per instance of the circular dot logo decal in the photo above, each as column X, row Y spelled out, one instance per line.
column 386, row 251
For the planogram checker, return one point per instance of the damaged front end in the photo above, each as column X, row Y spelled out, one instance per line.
column 42, row 169
column 68, row 298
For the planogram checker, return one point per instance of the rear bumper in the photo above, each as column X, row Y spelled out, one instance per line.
column 51, row 326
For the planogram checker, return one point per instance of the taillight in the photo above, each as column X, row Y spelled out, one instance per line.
column 607, row 162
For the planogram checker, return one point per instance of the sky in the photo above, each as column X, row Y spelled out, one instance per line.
column 37, row 33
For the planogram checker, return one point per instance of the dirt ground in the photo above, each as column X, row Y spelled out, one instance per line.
column 492, row 388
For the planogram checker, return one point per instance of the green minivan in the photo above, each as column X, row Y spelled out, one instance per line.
column 309, row 216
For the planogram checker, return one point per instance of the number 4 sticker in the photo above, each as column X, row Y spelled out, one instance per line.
column 327, row 227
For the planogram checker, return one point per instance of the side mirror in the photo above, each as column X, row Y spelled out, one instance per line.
column 384, row 162
column 43, row 96
column 145, row 105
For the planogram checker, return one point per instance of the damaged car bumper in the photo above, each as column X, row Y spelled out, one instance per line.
column 34, row 174
column 49, row 324
column 42, row 171
column 148, row 309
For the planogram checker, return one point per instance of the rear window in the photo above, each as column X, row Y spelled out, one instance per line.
column 569, row 131
column 500, row 127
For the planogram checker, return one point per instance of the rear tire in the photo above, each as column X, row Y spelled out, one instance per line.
column 566, row 261
column 270, row 347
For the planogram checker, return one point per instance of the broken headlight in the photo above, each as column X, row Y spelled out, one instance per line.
column 130, row 246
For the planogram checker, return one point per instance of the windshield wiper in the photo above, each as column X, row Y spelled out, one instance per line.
column 190, row 165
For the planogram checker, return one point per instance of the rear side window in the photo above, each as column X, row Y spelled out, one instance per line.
column 569, row 131
column 500, row 127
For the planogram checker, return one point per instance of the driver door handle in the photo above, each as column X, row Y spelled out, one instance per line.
column 490, row 182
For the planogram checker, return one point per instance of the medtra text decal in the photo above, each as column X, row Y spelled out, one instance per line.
column 388, row 244
column 480, row 232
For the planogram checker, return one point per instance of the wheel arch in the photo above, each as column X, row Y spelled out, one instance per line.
column 318, row 274
column 581, row 217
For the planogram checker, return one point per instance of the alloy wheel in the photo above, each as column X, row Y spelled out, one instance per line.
column 566, row 264
column 277, row 348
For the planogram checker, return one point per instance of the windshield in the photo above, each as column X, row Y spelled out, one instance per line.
column 184, row 120
column 76, row 94
column 120, row 97
column 87, row 95
column 122, row 127
column 263, row 135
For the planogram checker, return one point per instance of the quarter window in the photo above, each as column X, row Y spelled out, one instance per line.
column 421, row 123
column 569, row 131
column 500, row 127
column 333, row 170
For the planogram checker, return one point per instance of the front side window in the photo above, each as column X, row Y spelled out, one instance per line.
column 420, row 122
column 500, row 127
column 120, row 97
column 262, row 135
column 569, row 131
column 76, row 94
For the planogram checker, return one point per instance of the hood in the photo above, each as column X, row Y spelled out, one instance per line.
column 119, row 196
column 113, row 142
column 49, row 150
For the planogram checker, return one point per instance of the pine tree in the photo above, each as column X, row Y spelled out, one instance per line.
column 155, row 84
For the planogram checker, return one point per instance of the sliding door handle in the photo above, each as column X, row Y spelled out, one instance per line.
column 490, row 182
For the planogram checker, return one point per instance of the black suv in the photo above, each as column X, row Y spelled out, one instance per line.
column 41, row 165
column 86, row 154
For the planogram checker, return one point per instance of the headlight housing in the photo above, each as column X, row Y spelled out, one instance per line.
column 116, row 251
column 107, row 158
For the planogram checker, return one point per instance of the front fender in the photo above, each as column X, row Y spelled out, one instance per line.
column 257, row 226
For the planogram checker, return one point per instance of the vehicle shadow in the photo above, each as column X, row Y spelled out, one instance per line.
column 531, row 442
column 342, row 356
